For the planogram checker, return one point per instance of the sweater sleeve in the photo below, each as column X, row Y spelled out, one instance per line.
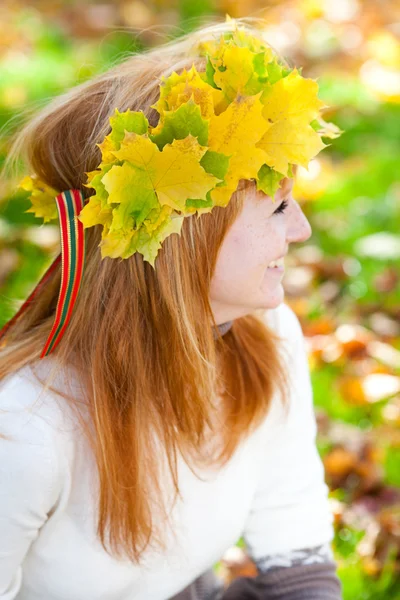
column 28, row 476
column 290, row 509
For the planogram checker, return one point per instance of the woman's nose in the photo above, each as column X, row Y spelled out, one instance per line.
column 299, row 228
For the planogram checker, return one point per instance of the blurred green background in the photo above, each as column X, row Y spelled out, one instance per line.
column 343, row 283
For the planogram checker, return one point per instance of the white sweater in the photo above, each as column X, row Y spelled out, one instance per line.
column 272, row 492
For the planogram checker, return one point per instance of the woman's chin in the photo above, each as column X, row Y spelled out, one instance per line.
column 272, row 296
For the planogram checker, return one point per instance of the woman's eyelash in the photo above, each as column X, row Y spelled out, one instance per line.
column 281, row 207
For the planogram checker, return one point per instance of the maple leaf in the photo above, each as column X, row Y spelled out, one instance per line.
column 132, row 191
column 178, row 89
column 130, row 120
column 271, row 71
column 107, row 147
column 123, row 244
column 237, row 63
column 178, row 124
column 237, row 37
column 97, row 211
column 156, row 217
column 268, row 180
column 289, row 106
column 290, row 141
column 215, row 163
column 175, row 172
column 292, row 96
column 235, row 72
column 95, row 182
column 149, row 245
column 117, row 244
column 198, row 205
column 94, row 214
column 42, row 198
column 234, row 133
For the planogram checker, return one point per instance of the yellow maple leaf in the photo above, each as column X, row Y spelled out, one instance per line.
column 290, row 141
column 107, row 148
column 243, row 165
column 90, row 176
column 178, row 89
column 175, row 172
column 122, row 244
column 238, row 37
column 234, row 72
column 156, row 217
column 149, row 244
column 242, row 123
column 42, row 198
column 93, row 213
column 235, row 133
column 289, row 106
column 115, row 244
column 131, row 190
column 292, row 96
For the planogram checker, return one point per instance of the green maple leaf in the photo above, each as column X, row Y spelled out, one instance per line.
column 181, row 122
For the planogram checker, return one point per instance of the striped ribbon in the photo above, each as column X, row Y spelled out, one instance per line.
column 72, row 257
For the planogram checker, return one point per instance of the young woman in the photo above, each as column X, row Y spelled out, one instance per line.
column 176, row 414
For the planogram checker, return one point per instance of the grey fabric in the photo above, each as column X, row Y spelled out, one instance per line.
column 206, row 587
column 317, row 581
column 222, row 328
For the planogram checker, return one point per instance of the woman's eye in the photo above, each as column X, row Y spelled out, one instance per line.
column 281, row 207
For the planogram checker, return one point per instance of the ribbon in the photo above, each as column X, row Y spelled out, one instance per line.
column 72, row 257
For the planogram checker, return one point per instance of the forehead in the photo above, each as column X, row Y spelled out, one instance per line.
column 286, row 184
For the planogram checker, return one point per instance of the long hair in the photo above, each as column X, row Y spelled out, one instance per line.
column 155, row 381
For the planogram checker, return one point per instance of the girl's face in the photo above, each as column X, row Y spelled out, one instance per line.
column 261, row 233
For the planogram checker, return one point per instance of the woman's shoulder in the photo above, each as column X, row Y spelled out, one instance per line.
column 27, row 406
column 285, row 322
